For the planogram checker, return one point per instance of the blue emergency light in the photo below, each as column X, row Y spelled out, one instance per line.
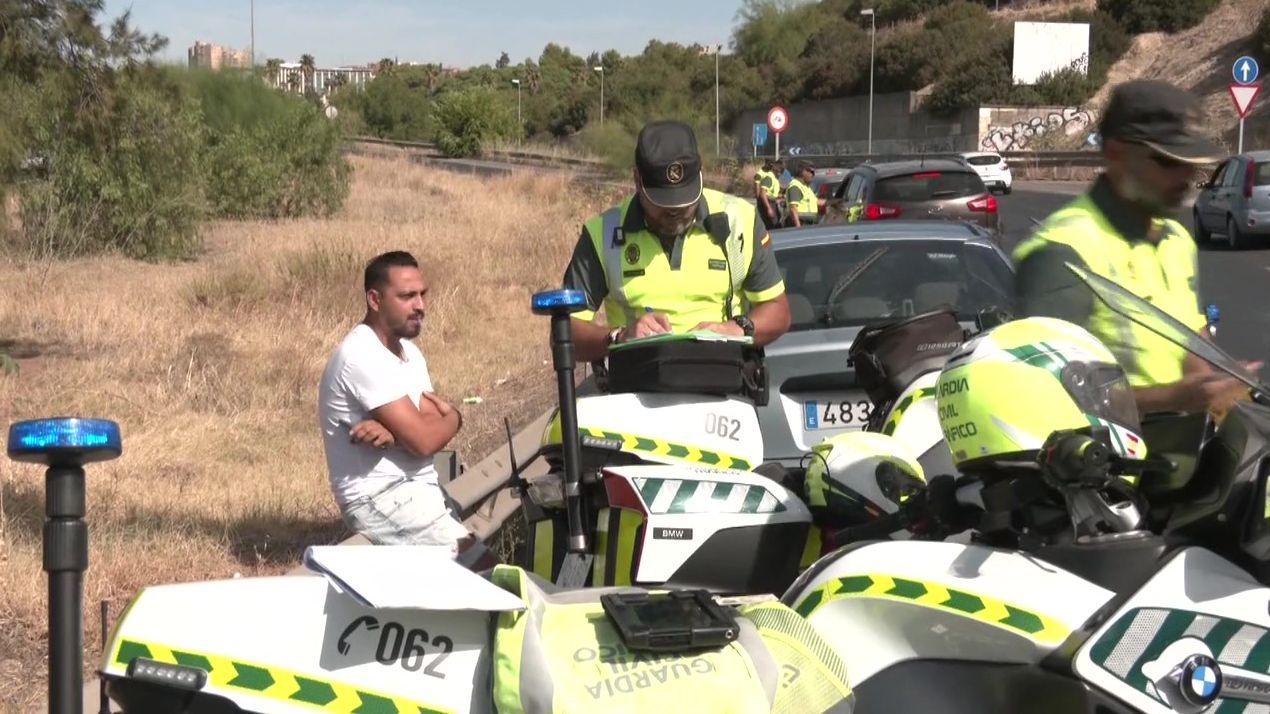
column 549, row 301
column 64, row 440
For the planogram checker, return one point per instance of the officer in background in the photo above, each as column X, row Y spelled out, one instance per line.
column 1122, row 229
column 802, row 206
column 675, row 256
column 767, row 192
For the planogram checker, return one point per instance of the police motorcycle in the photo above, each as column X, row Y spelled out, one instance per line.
column 673, row 489
column 1099, row 577
column 407, row 629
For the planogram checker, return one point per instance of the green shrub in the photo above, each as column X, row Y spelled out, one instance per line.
column 1138, row 16
column 467, row 118
column 268, row 154
column 121, row 174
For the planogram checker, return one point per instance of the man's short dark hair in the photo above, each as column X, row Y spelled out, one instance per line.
column 377, row 269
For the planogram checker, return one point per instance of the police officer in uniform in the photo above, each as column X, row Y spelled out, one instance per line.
column 767, row 191
column 1122, row 229
column 675, row 256
column 801, row 202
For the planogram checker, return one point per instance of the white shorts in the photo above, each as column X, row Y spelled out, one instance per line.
column 409, row 512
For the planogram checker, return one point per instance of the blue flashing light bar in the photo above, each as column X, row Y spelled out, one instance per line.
column 64, row 440
column 549, row 301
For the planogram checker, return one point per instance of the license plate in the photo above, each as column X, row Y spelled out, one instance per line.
column 836, row 414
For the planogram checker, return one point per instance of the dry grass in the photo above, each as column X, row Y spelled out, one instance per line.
column 1198, row 59
column 211, row 369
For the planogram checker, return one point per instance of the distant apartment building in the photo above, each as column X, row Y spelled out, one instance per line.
column 211, row 56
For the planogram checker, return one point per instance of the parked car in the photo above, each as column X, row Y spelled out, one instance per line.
column 839, row 278
column 917, row 189
column 824, row 183
column 992, row 168
column 1235, row 201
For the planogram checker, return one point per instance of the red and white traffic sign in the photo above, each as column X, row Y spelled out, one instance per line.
column 1244, row 95
column 777, row 119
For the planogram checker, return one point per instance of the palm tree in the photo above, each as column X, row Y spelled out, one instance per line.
column 385, row 66
column 272, row 67
column 307, row 66
column 293, row 81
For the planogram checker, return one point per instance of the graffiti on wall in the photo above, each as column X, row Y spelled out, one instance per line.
column 1022, row 133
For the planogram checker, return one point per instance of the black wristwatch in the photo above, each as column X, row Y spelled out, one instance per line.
column 747, row 325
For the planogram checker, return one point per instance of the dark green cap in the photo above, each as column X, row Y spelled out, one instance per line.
column 1161, row 116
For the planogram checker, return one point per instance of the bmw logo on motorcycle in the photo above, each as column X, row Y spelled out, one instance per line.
column 1201, row 680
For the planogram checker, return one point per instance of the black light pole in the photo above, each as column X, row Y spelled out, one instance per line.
column 64, row 446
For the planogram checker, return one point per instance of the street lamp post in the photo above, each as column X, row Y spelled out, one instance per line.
column 519, row 123
column 717, row 50
column 873, row 29
column 600, row 69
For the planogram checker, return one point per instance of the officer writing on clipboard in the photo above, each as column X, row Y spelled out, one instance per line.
column 675, row 256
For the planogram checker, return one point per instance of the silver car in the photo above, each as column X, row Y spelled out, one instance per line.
column 1234, row 202
column 842, row 277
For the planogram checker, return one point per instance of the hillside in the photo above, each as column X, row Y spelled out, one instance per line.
column 1198, row 59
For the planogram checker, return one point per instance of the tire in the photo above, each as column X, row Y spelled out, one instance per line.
column 1201, row 234
column 1234, row 237
column 1007, row 190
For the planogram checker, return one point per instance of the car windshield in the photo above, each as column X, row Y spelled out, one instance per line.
column 983, row 160
column 856, row 283
column 1151, row 317
column 928, row 186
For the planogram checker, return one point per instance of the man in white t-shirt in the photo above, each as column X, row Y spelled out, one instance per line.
column 381, row 424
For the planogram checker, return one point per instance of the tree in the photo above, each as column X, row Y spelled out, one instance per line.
column 384, row 66
column 503, row 61
column 307, row 66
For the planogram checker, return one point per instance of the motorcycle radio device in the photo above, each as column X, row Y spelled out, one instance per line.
column 670, row 621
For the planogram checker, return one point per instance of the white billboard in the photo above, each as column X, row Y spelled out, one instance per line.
column 1041, row 47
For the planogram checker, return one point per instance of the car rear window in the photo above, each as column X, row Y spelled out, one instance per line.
column 983, row 160
column 858, row 282
column 1262, row 177
column 928, row 186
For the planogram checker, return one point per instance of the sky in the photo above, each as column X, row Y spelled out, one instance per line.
column 460, row 34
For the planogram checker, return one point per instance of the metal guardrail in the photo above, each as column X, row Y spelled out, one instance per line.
column 1032, row 159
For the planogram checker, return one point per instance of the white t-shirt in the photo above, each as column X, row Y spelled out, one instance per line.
column 363, row 375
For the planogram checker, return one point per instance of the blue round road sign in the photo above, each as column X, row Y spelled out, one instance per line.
column 1245, row 70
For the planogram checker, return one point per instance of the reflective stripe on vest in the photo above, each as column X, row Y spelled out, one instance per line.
column 613, row 243
column 806, row 204
column 1147, row 358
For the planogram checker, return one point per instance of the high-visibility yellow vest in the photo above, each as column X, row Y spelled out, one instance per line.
column 806, row 205
column 1162, row 274
column 707, row 286
column 561, row 654
column 769, row 182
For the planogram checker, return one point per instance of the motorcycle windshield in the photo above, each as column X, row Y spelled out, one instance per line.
column 1134, row 308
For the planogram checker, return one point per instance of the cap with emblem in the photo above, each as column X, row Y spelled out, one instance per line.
column 669, row 163
column 1161, row 116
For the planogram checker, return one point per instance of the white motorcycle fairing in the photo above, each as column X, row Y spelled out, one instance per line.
column 1197, row 630
column 670, row 428
column 884, row 603
column 696, row 523
column 298, row 643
